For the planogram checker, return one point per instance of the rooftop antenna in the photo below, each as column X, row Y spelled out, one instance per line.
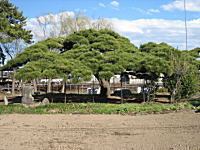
column 186, row 32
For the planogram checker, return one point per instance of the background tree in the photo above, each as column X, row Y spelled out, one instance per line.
column 11, row 32
column 65, row 23
column 12, row 26
column 44, row 22
column 101, row 24
column 185, row 77
column 183, row 73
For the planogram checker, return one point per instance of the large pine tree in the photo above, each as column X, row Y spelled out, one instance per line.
column 12, row 23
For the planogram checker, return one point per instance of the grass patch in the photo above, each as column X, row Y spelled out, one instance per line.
column 94, row 108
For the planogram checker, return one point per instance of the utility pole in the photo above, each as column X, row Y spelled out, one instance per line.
column 186, row 32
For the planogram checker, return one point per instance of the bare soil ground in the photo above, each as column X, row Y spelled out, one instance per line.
column 173, row 131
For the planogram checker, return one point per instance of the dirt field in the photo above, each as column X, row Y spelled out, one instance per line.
column 174, row 131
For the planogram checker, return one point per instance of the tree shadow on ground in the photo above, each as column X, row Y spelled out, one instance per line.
column 86, row 98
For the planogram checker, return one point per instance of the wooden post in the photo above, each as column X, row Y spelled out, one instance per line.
column 35, row 85
column 122, row 99
column 93, row 91
column 65, row 92
column 13, row 81
column 49, row 88
column 78, row 89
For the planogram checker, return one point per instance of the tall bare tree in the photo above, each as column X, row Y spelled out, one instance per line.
column 43, row 22
column 65, row 23
column 102, row 23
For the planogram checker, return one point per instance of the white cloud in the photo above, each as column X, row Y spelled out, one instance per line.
column 114, row 3
column 191, row 5
column 125, row 26
column 146, row 30
column 146, row 12
column 102, row 5
column 159, row 30
column 153, row 10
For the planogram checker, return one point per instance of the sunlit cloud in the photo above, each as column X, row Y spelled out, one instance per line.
column 191, row 5
column 102, row 5
column 114, row 3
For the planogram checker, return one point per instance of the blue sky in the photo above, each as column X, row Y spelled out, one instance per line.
column 140, row 20
column 126, row 9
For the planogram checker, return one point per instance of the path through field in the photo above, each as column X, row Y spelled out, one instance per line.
column 174, row 131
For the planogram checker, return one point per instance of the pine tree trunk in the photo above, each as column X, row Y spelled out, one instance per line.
column 105, row 87
column 49, row 86
column 13, row 81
